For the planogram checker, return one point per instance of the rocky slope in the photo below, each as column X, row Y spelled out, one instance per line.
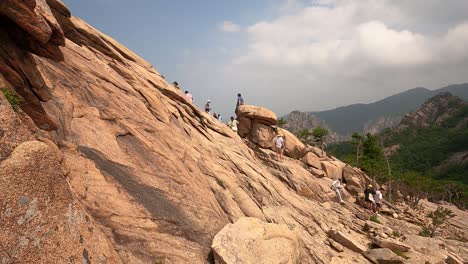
column 108, row 163
column 433, row 112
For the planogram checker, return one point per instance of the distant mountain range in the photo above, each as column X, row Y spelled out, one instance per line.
column 372, row 117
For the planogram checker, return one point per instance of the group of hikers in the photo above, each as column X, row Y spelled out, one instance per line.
column 279, row 140
column 373, row 198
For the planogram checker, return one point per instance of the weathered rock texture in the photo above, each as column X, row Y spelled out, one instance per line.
column 141, row 175
column 250, row 240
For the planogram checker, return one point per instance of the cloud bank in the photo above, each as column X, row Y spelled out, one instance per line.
column 321, row 54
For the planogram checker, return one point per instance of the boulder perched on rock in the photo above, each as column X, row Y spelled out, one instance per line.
column 312, row 160
column 383, row 256
column 392, row 244
column 347, row 241
column 356, row 180
column 261, row 114
column 262, row 135
column 293, row 148
column 333, row 169
column 244, row 127
column 250, row 240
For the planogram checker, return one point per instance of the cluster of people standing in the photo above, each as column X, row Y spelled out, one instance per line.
column 372, row 198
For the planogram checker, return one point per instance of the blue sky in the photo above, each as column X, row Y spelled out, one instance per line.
column 291, row 54
column 176, row 35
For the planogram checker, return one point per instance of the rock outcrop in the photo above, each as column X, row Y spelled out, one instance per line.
column 297, row 120
column 249, row 240
column 430, row 112
column 108, row 163
column 383, row 255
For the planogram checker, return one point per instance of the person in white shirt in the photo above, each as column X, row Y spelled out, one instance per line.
column 337, row 186
column 279, row 146
column 233, row 124
column 189, row 96
column 378, row 196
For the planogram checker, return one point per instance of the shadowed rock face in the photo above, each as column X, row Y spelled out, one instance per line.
column 158, row 177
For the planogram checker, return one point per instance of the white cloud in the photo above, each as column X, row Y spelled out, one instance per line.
column 228, row 26
column 320, row 54
column 346, row 32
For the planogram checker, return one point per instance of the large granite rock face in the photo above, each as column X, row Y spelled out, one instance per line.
column 141, row 175
column 251, row 241
column 41, row 222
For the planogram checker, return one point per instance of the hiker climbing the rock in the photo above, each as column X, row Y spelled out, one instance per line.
column 220, row 118
column 368, row 192
column 378, row 196
column 240, row 101
column 208, row 106
column 336, row 186
column 189, row 96
column 279, row 146
column 232, row 124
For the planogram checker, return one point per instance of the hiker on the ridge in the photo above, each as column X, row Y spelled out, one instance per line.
column 208, row 106
column 220, row 118
column 279, row 146
column 189, row 96
column 368, row 192
column 240, row 101
column 337, row 186
column 175, row 84
column 378, row 196
column 233, row 124
column 215, row 115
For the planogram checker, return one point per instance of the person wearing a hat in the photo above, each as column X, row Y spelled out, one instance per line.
column 279, row 146
column 207, row 106
column 367, row 197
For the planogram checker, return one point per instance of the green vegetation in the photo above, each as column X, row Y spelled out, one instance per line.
column 305, row 136
column 395, row 233
column 282, row 122
column 220, row 183
column 424, row 163
column 400, row 253
column 439, row 217
column 374, row 219
column 319, row 133
column 315, row 136
column 12, row 98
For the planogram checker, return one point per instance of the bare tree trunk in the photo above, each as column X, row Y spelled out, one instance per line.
column 389, row 171
column 357, row 153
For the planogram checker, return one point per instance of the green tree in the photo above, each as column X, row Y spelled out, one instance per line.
column 373, row 160
column 319, row 133
column 439, row 217
column 356, row 140
column 305, row 136
column 282, row 122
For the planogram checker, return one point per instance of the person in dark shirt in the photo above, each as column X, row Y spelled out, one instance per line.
column 240, row 101
column 367, row 197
